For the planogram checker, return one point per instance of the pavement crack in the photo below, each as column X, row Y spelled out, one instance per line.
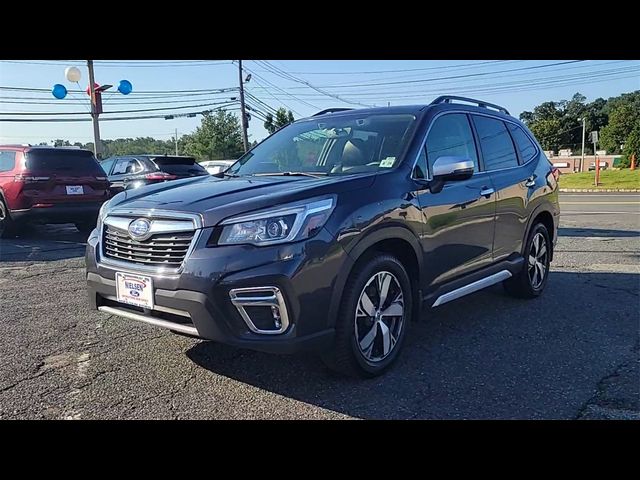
column 594, row 400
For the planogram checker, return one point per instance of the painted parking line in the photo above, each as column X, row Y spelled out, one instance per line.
column 599, row 203
column 585, row 212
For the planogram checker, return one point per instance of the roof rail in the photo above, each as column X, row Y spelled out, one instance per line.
column 331, row 110
column 15, row 145
column 480, row 103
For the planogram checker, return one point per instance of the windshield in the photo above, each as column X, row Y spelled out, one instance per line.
column 331, row 146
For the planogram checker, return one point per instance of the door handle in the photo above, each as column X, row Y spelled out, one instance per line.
column 531, row 181
column 487, row 192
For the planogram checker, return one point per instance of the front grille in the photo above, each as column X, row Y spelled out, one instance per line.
column 159, row 250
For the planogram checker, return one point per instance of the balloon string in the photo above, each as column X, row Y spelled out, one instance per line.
column 86, row 105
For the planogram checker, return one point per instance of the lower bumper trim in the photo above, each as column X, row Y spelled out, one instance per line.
column 158, row 322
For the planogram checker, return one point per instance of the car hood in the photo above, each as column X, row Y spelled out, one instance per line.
column 218, row 198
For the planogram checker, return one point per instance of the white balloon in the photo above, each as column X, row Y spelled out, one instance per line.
column 72, row 73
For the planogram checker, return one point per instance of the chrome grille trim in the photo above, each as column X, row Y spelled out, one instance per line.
column 174, row 237
column 154, row 251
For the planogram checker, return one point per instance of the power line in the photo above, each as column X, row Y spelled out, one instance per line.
column 17, row 100
column 143, row 92
column 288, row 76
column 500, row 87
column 471, row 77
column 451, row 77
column 119, row 111
column 124, row 64
column 443, row 67
column 255, row 75
column 64, row 120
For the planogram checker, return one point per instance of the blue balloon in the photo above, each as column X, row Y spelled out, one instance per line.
column 125, row 87
column 59, row 91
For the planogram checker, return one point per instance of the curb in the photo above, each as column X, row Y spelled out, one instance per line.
column 598, row 190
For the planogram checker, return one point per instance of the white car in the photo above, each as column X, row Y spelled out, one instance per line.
column 216, row 166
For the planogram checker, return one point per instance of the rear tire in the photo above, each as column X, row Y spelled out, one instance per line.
column 531, row 280
column 8, row 228
column 374, row 314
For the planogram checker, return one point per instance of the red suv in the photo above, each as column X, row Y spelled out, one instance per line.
column 49, row 185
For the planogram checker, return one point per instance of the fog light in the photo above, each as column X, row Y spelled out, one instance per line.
column 262, row 308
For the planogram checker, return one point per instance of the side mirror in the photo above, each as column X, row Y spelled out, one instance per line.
column 452, row 168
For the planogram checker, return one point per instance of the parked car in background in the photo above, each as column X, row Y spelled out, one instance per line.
column 335, row 232
column 217, row 166
column 49, row 185
column 133, row 171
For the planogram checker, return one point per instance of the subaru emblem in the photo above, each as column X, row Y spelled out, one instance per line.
column 139, row 229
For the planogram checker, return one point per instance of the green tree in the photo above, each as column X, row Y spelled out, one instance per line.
column 624, row 118
column 282, row 118
column 219, row 137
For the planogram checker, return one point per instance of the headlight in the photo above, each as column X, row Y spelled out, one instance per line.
column 278, row 225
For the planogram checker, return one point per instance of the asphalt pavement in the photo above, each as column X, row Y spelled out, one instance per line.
column 573, row 353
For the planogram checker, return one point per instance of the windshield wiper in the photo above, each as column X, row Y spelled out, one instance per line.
column 292, row 174
column 224, row 174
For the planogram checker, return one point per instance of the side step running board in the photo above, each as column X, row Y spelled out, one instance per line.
column 472, row 287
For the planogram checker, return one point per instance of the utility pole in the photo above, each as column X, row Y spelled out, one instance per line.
column 594, row 139
column 245, row 139
column 584, row 131
column 176, row 138
column 94, row 110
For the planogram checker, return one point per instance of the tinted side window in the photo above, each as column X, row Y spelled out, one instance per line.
column 126, row 165
column 497, row 148
column 450, row 135
column 7, row 160
column 421, row 166
column 525, row 146
column 106, row 165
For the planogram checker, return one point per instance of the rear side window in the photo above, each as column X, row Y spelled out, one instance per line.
column 498, row 151
column 107, row 164
column 450, row 135
column 127, row 165
column 7, row 160
column 63, row 160
column 525, row 146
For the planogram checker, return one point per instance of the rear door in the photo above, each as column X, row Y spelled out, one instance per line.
column 510, row 179
column 459, row 220
column 123, row 169
column 63, row 176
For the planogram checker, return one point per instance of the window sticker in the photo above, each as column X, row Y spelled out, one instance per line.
column 387, row 162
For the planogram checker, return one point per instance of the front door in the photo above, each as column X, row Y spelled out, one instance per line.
column 459, row 220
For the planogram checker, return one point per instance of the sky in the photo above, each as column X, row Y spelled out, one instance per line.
column 303, row 86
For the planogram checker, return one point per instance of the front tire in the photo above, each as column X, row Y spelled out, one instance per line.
column 373, row 318
column 531, row 280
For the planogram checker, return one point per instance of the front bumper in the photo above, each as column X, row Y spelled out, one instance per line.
column 60, row 213
column 196, row 300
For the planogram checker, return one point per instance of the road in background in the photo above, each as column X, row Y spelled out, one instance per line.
column 573, row 353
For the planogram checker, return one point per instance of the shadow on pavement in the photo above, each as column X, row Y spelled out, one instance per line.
column 484, row 356
column 596, row 232
column 43, row 243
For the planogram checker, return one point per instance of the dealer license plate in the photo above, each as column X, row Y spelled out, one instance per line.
column 75, row 190
column 134, row 290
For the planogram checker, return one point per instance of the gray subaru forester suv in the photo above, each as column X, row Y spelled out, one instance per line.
column 335, row 232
